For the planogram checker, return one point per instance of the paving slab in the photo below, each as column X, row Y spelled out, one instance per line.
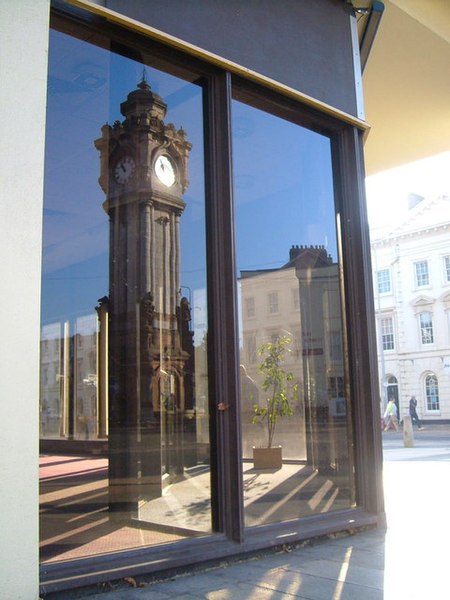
column 406, row 562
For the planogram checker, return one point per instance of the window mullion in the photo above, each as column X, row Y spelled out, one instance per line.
column 227, row 481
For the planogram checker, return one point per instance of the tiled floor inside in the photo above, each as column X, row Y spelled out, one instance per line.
column 75, row 520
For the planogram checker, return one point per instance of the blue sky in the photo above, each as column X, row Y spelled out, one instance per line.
column 282, row 178
column 283, row 188
column 86, row 86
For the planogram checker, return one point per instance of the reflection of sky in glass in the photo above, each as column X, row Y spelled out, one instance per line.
column 283, row 188
column 86, row 87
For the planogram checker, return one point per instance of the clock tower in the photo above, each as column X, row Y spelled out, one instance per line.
column 144, row 173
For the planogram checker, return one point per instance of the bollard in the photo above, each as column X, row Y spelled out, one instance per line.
column 408, row 435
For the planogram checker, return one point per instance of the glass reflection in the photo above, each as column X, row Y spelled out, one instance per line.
column 297, row 446
column 124, row 382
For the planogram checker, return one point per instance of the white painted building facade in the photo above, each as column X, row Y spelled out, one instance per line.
column 411, row 267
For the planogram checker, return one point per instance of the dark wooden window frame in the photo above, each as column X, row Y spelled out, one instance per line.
column 232, row 538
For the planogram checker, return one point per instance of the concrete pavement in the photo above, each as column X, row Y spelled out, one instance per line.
column 408, row 561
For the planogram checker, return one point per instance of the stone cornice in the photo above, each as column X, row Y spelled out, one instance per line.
column 393, row 237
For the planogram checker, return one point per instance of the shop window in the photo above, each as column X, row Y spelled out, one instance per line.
column 130, row 291
column 290, row 167
column 124, row 311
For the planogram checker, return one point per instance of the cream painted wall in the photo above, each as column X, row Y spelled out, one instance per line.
column 407, row 85
column 23, row 73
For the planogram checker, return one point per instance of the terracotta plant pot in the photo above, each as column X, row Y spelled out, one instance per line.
column 267, row 458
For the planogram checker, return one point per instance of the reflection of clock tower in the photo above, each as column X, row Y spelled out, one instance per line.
column 144, row 174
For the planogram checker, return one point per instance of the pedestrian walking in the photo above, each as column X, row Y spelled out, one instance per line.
column 413, row 413
column 390, row 416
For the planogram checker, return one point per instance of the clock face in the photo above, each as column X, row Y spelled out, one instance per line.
column 165, row 171
column 124, row 169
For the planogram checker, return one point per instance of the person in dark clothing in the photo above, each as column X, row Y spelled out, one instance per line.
column 413, row 412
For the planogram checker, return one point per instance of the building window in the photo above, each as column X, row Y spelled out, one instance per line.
column 295, row 299
column 387, row 333
column 335, row 386
column 336, row 397
column 273, row 336
column 384, row 281
column 426, row 328
column 251, row 350
column 432, row 392
column 447, row 268
column 335, row 346
column 273, row 303
column 250, row 307
column 422, row 274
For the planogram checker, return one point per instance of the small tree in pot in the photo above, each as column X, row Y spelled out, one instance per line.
column 279, row 395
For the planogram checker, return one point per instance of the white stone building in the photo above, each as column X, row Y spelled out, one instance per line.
column 411, row 266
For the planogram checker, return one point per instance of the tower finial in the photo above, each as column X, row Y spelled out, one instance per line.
column 143, row 84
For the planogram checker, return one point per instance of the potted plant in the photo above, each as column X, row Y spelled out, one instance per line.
column 279, row 393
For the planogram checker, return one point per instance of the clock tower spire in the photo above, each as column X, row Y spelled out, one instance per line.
column 144, row 173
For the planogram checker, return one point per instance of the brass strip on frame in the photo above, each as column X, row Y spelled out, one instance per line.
column 218, row 61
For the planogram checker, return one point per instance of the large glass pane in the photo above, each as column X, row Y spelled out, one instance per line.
column 124, row 381
column 297, row 448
